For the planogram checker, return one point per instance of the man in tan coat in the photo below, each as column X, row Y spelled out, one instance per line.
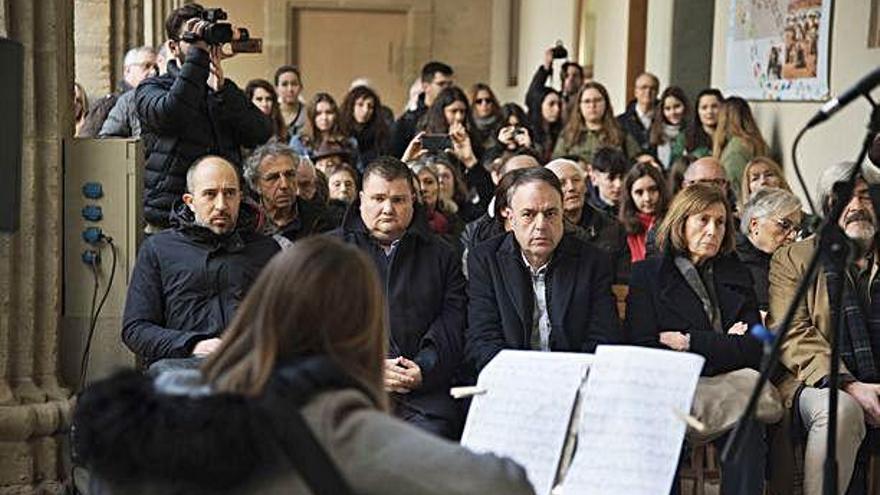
column 806, row 352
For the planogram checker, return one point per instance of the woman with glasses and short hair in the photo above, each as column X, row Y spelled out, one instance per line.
column 770, row 219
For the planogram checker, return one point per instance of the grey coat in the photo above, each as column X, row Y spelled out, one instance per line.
column 122, row 121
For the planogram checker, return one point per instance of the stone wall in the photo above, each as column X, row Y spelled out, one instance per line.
column 33, row 405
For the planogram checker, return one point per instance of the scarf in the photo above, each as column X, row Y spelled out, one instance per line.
column 638, row 245
column 858, row 337
column 702, row 282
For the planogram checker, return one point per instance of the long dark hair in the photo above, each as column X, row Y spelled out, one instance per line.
column 310, row 135
column 628, row 210
column 435, row 119
column 475, row 90
column 278, row 124
column 335, row 309
column 696, row 136
column 657, row 136
column 375, row 126
column 545, row 133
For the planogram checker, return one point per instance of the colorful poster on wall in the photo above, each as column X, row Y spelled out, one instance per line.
column 778, row 49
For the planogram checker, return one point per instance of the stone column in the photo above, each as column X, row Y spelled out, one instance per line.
column 34, row 408
column 103, row 31
column 155, row 12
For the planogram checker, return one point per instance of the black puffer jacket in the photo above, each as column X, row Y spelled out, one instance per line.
column 188, row 282
column 182, row 120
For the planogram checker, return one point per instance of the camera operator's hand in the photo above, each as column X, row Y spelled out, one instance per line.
column 461, row 144
column 196, row 27
column 522, row 138
column 216, row 79
column 548, row 58
column 506, row 136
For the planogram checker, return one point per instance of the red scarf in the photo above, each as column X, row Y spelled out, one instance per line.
column 638, row 242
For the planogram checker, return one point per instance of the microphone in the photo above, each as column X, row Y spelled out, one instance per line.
column 862, row 87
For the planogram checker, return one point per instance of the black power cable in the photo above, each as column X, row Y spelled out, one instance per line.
column 96, row 311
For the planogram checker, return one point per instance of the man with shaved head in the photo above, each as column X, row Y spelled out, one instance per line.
column 706, row 170
column 188, row 280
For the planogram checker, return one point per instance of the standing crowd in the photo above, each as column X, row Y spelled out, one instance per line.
column 460, row 228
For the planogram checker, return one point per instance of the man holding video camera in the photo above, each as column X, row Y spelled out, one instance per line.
column 192, row 110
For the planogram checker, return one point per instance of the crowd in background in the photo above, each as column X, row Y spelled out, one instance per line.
column 476, row 215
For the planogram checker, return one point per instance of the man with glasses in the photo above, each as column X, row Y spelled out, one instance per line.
column 271, row 173
column 122, row 121
column 805, row 355
column 639, row 114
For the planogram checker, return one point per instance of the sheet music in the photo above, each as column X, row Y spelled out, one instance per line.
column 630, row 438
column 526, row 410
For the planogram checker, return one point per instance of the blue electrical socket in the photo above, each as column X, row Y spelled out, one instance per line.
column 92, row 235
column 92, row 213
column 91, row 257
column 93, row 190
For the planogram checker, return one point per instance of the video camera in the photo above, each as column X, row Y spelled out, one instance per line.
column 221, row 33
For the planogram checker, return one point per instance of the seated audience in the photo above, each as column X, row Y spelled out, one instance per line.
column 737, row 139
column 294, row 399
column 666, row 135
column 271, row 172
column 538, row 287
column 606, row 175
column 439, row 210
column 588, row 222
column 805, row 355
column 591, row 125
column 770, row 220
column 514, row 131
column 188, row 280
column 262, row 95
column 425, row 293
column 698, row 137
column 342, row 189
column 644, row 204
column 361, row 119
column 698, row 297
column 639, row 115
column 307, row 180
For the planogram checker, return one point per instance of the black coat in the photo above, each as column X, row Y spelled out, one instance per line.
column 312, row 218
column 182, row 120
column 188, row 282
column 425, row 291
column 630, row 122
column 758, row 263
column 661, row 300
column 607, row 233
column 404, row 128
column 581, row 307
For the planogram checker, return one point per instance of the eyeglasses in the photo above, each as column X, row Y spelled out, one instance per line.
column 288, row 175
column 720, row 183
column 483, row 101
column 787, row 226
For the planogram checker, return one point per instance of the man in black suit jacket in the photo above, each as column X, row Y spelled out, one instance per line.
column 537, row 287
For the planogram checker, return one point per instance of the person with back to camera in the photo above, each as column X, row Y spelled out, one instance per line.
column 295, row 401
column 191, row 111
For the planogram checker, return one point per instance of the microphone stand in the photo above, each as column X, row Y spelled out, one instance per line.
column 832, row 251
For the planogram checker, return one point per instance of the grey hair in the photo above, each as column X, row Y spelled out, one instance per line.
column 134, row 56
column 271, row 149
column 839, row 172
column 768, row 202
column 559, row 162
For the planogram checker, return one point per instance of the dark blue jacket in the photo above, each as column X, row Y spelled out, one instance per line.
column 661, row 300
column 582, row 309
column 425, row 290
column 182, row 120
column 187, row 284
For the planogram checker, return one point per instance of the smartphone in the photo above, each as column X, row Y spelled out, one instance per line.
column 436, row 143
column 251, row 45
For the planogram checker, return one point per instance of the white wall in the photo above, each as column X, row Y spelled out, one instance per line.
column 542, row 22
column 612, row 25
column 836, row 140
column 658, row 58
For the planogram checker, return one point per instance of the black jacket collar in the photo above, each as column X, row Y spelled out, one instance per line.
column 353, row 224
column 183, row 220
